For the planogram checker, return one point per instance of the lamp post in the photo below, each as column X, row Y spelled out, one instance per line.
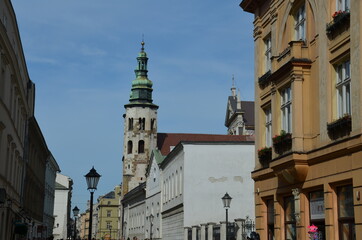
column 151, row 222
column 92, row 181
column 226, row 200
column 75, row 213
column 110, row 232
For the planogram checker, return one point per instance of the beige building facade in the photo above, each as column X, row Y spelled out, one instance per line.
column 308, row 118
column 108, row 206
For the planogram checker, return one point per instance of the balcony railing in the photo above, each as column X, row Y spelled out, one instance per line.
column 340, row 128
column 282, row 143
column 340, row 19
column 263, row 80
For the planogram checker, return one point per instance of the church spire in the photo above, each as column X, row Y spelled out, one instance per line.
column 141, row 93
column 233, row 89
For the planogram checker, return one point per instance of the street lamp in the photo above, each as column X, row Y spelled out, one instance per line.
column 92, row 181
column 226, row 200
column 75, row 213
column 151, row 222
column 110, row 231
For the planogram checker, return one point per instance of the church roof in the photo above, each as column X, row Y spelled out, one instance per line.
column 247, row 108
column 166, row 141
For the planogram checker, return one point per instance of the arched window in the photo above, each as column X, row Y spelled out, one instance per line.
column 142, row 123
column 176, row 184
column 141, row 146
column 172, row 186
column 181, row 181
column 129, row 147
column 130, row 123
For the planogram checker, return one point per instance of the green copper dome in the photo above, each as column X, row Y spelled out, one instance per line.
column 141, row 92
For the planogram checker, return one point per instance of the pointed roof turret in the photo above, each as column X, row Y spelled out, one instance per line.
column 141, row 93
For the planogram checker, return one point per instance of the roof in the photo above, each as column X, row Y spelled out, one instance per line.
column 59, row 186
column 140, row 189
column 247, row 108
column 110, row 195
column 158, row 156
column 167, row 140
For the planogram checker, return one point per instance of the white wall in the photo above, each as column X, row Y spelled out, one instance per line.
column 209, row 172
column 61, row 202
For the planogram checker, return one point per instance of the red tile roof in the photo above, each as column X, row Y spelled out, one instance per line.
column 166, row 140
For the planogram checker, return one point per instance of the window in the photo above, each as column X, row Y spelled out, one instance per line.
column 109, row 213
column 270, row 218
column 286, row 109
column 130, row 124
column 152, row 123
column 317, row 215
column 299, row 24
column 142, row 122
column 289, row 218
column 343, row 88
column 346, row 213
column 129, row 147
column 141, row 146
column 268, row 127
column 109, row 224
column 267, row 54
column 343, row 5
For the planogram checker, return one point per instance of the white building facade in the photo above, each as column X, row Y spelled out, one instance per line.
column 196, row 175
column 62, row 205
column 52, row 168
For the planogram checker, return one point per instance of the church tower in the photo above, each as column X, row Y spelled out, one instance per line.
column 140, row 127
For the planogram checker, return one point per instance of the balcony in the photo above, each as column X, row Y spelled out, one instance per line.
column 340, row 22
column 282, row 143
column 263, row 80
column 340, row 127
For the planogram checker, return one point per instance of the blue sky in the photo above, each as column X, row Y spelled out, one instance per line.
column 82, row 55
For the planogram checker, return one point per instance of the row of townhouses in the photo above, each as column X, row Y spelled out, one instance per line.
column 30, row 183
column 308, row 118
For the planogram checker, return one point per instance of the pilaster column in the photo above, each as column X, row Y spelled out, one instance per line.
column 194, row 232
column 240, row 228
column 210, row 230
column 223, row 230
column 329, row 212
column 203, row 231
column 186, row 233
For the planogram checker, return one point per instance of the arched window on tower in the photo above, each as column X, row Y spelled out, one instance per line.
column 130, row 123
column 141, row 146
column 142, row 123
column 152, row 123
column 129, row 147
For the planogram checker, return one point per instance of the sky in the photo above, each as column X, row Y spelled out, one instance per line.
column 82, row 54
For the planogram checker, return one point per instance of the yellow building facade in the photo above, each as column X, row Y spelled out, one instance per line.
column 108, row 215
column 308, row 118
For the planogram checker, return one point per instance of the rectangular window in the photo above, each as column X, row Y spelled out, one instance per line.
column 109, row 213
column 289, row 218
column 299, row 24
column 109, row 225
column 267, row 54
column 270, row 218
column 343, row 88
column 317, row 215
column 286, row 109
column 346, row 213
column 343, row 5
column 268, row 127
